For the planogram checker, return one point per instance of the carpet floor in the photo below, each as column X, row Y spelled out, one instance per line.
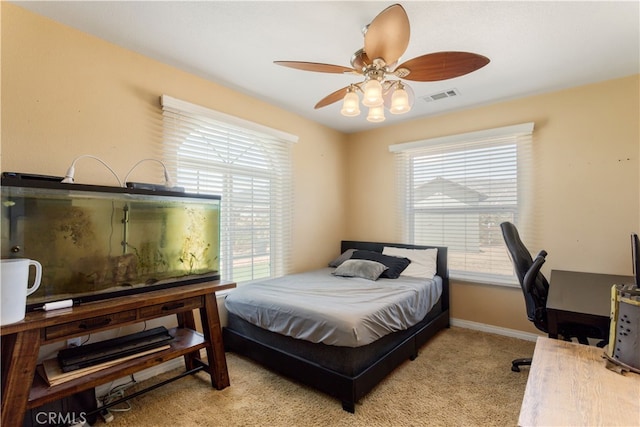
column 461, row 377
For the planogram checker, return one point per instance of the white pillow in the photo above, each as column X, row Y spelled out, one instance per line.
column 423, row 261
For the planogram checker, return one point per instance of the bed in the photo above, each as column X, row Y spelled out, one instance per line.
column 349, row 363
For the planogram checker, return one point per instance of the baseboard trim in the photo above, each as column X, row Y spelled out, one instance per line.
column 483, row 327
column 167, row 366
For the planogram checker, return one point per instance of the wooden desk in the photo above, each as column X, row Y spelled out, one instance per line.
column 584, row 298
column 569, row 385
column 23, row 389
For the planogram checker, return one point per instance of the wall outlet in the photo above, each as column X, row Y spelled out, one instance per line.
column 74, row 342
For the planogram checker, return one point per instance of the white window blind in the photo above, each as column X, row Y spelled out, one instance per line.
column 249, row 166
column 455, row 191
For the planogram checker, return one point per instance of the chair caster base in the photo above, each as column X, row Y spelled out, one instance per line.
column 515, row 365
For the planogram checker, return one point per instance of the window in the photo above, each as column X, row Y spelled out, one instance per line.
column 249, row 166
column 455, row 191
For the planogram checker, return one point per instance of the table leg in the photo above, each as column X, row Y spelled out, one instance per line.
column 186, row 320
column 19, row 358
column 552, row 324
column 215, row 351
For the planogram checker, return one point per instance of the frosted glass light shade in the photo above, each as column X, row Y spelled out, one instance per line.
column 400, row 101
column 350, row 107
column 372, row 94
column 376, row 114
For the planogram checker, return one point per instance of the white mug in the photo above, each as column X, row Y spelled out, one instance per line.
column 14, row 288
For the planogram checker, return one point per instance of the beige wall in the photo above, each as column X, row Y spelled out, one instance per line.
column 65, row 93
column 586, row 193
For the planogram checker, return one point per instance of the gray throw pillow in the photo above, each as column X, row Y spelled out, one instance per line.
column 363, row 268
column 342, row 258
column 395, row 265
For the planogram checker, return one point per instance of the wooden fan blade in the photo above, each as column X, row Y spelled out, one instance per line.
column 360, row 61
column 334, row 97
column 387, row 36
column 442, row 66
column 314, row 66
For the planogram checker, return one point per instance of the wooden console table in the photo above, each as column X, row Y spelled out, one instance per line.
column 569, row 385
column 23, row 389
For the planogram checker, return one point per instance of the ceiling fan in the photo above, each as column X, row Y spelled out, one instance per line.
column 385, row 39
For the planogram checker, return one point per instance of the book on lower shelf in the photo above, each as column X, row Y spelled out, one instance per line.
column 52, row 372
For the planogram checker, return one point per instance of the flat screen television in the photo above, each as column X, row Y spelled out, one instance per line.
column 96, row 242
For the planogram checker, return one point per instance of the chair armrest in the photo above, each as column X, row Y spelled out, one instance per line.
column 532, row 273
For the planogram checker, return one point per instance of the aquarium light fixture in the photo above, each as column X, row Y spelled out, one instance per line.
column 167, row 179
column 168, row 182
column 69, row 176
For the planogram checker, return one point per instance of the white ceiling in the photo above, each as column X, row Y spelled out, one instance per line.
column 534, row 47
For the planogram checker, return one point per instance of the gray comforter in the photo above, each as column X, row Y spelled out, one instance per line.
column 319, row 307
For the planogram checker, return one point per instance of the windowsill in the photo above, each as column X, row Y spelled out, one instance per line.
column 222, row 294
column 238, row 285
column 492, row 281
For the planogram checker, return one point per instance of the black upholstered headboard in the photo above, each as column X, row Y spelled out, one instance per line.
column 442, row 268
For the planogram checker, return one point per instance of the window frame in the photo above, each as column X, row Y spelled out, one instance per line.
column 518, row 135
column 261, row 146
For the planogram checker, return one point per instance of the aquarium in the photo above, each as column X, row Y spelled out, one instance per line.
column 96, row 242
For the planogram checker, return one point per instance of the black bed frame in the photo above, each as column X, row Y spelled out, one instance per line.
column 349, row 389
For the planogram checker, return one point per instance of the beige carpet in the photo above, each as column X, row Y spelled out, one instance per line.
column 460, row 378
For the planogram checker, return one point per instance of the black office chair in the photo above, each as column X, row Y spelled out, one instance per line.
column 535, row 289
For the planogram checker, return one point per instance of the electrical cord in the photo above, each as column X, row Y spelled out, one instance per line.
column 112, row 395
column 144, row 328
column 116, row 393
column 87, row 340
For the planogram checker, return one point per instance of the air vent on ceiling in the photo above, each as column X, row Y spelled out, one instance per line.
column 441, row 95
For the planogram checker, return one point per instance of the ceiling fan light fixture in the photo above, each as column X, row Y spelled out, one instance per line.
column 372, row 94
column 376, row 114
column 386, row 39
column 400, row 101
column 350, row 104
